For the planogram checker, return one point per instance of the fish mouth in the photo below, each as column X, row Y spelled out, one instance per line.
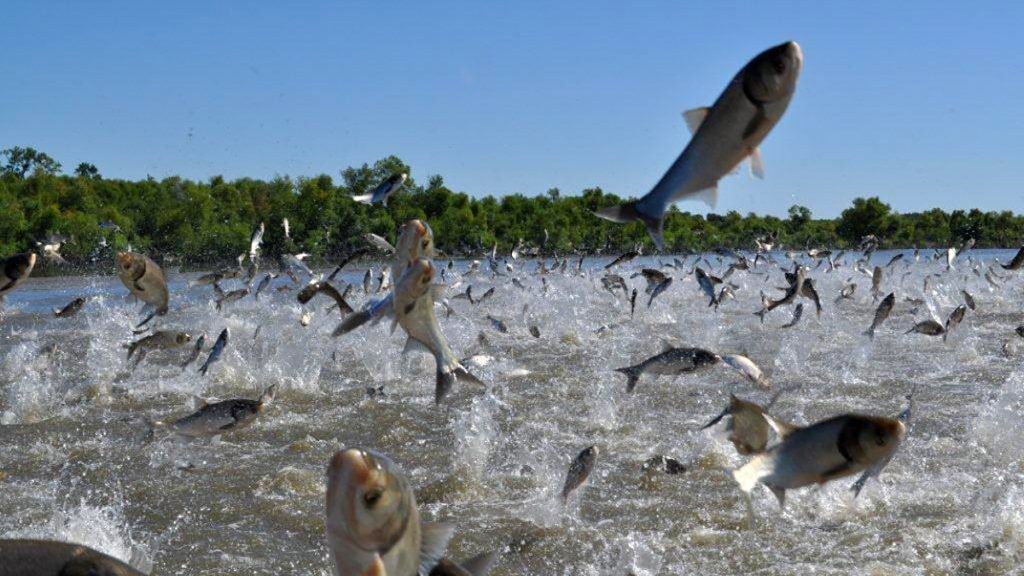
column 357, row 462
column 793, row 51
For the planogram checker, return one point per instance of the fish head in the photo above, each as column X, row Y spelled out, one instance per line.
column 20, row 265
column 415, row 240
column 771, row 76
column 183, row 338
column 705, row 358
column 369, row 503
column 589, row 455
column 876, row 438
column 130, row 265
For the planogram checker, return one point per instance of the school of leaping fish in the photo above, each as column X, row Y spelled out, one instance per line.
column 372, row 521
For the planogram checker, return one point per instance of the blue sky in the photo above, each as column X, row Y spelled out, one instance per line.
column 916, row 102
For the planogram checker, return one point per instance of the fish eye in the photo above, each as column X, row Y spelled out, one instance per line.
column 880, row 440
column 372, row 497
column 779, row 65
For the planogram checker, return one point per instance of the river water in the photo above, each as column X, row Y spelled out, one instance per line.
column 75, row 463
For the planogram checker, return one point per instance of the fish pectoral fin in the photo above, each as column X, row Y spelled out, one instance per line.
column 695, row 117
column 414, row 345
column 434, row 541
column 780, row 495
column 708, row 195
column 756, row 164
column 783, row 429
column 480, row 564
column 748, row 475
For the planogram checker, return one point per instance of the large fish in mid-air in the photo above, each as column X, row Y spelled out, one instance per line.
column 723, row 136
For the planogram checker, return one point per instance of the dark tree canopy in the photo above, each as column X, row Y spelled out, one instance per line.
column 206, row 223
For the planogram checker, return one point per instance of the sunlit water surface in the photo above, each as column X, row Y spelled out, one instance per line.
column 74, row 463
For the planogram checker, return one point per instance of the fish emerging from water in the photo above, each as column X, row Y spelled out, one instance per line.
column 723, row 136
column 834, row 448
column 215, row 352
column 881, row 313
column 670, row 362
column 929, row 327
column 70, row 309
column 846, row 293
column 954, row 320
column 661, row 287
column 159, row 340
column 145, row 280
column 217, row 418
column 373, row 523
column 968, row 299
column 579, row 470
column 414, row 309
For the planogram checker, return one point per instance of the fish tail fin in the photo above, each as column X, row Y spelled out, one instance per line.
column 447, row 376
column 481, row 564
column 203, row 369
column 718, row 418
column 632, row 376
column 351, row 322
column 363, row 198
column 150, row 317
column 748, row 475
column 760, row 314
column 629, row 212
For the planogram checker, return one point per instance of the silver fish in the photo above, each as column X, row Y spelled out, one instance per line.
column 70, row 309
column 579, row 470
column 160, row 340
column 749, row 425
column 798, row 312
column 219, row 417
column 373, row 523
column 724, row 135
column 1017, row 262
column 145, row 280
column 380, row 194
column 670, row 362
column 196, row 350
column 881, row 313
column 661, row 287
column 747, row 368
column 414, row 309
column 954, row 320
column 927, row 327
column 825, row 451
column 215, row 352
column 379, row 243
column 324, row 287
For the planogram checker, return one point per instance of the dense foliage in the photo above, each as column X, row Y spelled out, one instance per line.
column 209, row 222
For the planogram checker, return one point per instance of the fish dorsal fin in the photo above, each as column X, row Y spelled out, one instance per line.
column 708, row 195
column 434, row 541
column 695, row 117
column 783, row 429
column 666, row 345
column 757, row 164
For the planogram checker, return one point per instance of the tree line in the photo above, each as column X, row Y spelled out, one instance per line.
column 208, row 223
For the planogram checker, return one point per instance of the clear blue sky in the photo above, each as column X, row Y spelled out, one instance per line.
column 920, row 103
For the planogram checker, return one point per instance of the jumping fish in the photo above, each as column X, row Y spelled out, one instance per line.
column 724, row 135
